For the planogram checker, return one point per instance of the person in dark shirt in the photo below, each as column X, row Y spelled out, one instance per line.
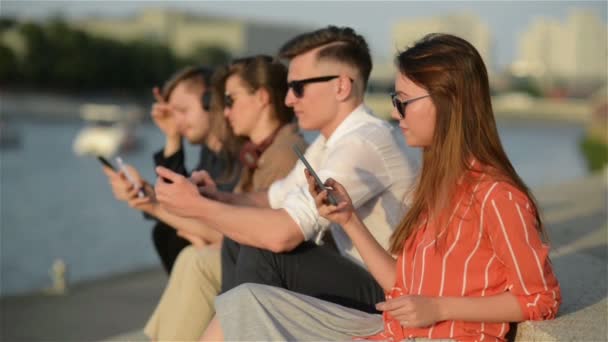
column 183, row 111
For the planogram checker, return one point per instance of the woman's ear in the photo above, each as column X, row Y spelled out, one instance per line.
column 263, row 96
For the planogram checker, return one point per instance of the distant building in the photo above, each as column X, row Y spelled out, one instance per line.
column 570, row 50
column 466, row 26
column 184, row 33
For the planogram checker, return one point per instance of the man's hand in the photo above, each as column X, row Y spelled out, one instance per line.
column 206, row 185
column 176, row 193
column 147, row 204
column 122, row 189
column 164, row 116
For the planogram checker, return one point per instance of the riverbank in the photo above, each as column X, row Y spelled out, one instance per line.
column 116, row 308
column 44, row 106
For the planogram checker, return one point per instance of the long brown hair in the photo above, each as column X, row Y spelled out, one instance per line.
column 453, row 73
column 198, row 79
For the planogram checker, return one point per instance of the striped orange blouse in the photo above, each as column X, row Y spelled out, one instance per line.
column 491, row 246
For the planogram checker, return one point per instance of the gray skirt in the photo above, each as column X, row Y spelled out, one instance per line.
column 253, row 312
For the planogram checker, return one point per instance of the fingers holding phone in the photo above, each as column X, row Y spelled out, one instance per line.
column 342, row 211
column 147, row 204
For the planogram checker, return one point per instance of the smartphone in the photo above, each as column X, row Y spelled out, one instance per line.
column 105, row 162
column 330, row 198
column 130, row 178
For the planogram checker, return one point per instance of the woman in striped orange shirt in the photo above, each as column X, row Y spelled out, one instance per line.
column 467, row 258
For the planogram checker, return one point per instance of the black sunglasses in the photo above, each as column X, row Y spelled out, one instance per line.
column 400, row 105
column 298, row 85
column 228, row 101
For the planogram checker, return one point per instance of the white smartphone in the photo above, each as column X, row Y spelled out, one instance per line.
column 123, row 169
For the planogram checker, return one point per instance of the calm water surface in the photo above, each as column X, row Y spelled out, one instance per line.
column 56, row 205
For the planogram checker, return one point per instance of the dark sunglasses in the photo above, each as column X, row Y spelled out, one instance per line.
column 298, row 86
column 206, row 101
column 228, row 101
column 400, row 105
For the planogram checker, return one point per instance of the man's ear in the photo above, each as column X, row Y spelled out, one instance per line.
column 345, row 88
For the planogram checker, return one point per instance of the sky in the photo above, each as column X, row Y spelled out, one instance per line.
column 507, row 20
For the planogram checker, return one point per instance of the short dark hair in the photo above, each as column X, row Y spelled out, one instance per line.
column 341, row 44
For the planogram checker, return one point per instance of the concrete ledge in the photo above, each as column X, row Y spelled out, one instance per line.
column 584, row 312
column 133, row 336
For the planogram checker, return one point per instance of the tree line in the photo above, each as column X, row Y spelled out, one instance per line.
column 59, row 57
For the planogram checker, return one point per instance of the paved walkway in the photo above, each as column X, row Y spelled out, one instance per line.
column 117, row 308
column 89, row 312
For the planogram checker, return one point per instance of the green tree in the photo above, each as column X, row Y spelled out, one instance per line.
column 210, row 55
column 8, row 65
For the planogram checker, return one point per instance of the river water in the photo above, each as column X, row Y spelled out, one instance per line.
column 54, row 205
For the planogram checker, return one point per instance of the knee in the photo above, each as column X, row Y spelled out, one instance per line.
column 252, row 258
column 238, row 296
column 186, row 256
column 208, row 261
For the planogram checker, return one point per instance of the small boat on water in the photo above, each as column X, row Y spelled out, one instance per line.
column 109, row 129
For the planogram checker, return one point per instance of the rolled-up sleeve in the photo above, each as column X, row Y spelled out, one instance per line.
column 291, row 194
column 355, row 164
column 512, row 229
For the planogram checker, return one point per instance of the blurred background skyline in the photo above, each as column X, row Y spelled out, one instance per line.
column 506, row 22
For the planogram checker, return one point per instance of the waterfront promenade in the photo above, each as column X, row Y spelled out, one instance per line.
column 116, row 308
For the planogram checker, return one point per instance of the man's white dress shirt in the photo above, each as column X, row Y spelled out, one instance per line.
column 367, row 156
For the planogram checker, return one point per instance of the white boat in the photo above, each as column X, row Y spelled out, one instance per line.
column 109, row 129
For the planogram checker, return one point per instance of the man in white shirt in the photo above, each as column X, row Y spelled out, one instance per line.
column 269, row 236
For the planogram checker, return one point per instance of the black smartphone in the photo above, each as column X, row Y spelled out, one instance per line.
column 105, row 162
column 330, row 198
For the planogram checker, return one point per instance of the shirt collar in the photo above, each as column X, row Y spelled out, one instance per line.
column 353, row 120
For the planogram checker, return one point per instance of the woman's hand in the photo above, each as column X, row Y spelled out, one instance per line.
column 164, row 116
column 176, row 193
column 340, row 214
column 413, row 311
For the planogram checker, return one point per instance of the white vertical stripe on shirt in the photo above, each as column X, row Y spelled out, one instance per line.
column 504, row 232
column 502, row 329
column 422, row 266
column 485, row 286
column 414, row 264
column 540, row 268
column 445, row 257
column 432, row 242
column 403, row 267
column 452, row 329
column 466, row 264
